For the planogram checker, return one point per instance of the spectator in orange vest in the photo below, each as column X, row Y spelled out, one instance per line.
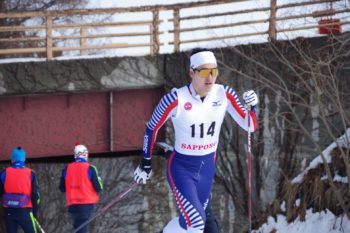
column 81, row 183
column 20, row 194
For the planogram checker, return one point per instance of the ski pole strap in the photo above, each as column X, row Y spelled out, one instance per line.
column 119, row 197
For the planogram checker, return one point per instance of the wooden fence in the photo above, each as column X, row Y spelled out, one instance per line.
column 49, row 30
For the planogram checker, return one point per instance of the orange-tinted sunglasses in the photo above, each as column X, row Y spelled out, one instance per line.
column 204, row 73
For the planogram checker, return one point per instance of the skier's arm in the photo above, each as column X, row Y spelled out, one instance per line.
column 35, row 195
column 166, row 108
column 238, row 112
column 95, row 179
column 63, row 180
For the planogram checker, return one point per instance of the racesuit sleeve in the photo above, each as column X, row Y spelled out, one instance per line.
column 35, row 194
column 166, row 108
column 238, row 112
column 95, row 179
column 63, row 180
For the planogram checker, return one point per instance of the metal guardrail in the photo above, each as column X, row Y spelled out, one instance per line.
column 43, row 38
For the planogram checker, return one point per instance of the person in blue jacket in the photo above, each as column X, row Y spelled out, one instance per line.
column 20, row 194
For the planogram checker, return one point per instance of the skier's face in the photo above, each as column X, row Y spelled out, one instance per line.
column 204, row 78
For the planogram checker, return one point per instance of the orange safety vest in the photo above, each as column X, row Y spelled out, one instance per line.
column 18, row 183
column 79, row 188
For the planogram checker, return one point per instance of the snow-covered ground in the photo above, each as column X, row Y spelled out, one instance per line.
column 319, row 222
column 342, row 141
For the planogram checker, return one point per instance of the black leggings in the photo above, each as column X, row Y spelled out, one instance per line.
column 19, row 217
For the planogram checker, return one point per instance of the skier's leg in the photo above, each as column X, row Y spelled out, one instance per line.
column 11, row 220
column 79, row 218
column 204, row 188
column 27, row 221
column 184, row 176
column 211, row 225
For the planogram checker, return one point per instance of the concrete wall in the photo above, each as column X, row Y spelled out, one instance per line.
column 86, row 75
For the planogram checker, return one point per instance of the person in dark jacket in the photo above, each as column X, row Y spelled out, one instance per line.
column 81, row 183
column 20, row 194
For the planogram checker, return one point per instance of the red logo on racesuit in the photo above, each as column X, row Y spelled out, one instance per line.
column 188, row 106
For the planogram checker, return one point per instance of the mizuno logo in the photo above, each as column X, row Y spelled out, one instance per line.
column 216, row 103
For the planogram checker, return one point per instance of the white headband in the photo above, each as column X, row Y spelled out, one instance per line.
column 201, row 58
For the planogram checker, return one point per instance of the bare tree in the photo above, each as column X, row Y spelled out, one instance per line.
column 29, row 5
column 305, row 103
column 37, row 5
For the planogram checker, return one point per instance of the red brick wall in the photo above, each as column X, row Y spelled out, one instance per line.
column 49, row 125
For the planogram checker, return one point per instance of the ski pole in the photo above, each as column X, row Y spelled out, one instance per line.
column 105, row 208
column 249, row 175
column 39, row 226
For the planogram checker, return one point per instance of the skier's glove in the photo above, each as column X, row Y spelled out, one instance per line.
column 250, row 98
column 143, row 172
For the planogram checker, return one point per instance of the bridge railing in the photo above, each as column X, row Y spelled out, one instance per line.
column 57, row 33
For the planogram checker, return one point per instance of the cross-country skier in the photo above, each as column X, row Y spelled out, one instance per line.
column 197, row 111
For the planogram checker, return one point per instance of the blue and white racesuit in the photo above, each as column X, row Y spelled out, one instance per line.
column 197, row 123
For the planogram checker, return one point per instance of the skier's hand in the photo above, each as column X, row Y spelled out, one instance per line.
column 250, row 98
column 143, row 172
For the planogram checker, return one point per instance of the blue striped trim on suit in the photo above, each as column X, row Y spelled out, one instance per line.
column 159, row 116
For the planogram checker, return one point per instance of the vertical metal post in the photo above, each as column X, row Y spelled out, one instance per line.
column 151, row 39
column 83, row 51
column 176, row 30
column 49, row 38
column 24, row 106
column 155, row 33
column 111, row 138
column 272, row 21
column 68, row 100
